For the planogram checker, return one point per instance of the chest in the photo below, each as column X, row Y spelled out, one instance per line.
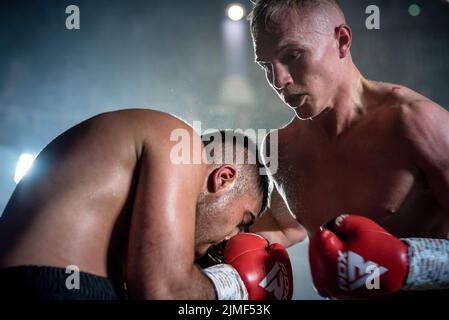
column 364, row 176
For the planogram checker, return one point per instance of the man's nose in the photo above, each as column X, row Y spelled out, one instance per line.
column 280, row 76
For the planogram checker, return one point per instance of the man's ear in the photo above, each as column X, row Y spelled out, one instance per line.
column 222, row 178
column 343, row 34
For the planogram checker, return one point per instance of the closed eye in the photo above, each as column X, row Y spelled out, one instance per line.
column 246, row 223
column 291, row 56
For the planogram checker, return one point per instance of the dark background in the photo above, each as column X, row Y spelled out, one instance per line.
column 174, row 56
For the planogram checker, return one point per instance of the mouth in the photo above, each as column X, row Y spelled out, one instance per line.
column 296, row 100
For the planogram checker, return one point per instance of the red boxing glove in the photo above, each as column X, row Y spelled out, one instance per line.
column 357, row 259
column 265, row 269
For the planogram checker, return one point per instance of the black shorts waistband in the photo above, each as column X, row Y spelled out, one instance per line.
column 54, row 283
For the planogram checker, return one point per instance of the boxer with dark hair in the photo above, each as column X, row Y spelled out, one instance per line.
column 109, row 198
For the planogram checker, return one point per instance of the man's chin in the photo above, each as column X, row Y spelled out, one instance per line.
column 304, row 113
column 307, row 113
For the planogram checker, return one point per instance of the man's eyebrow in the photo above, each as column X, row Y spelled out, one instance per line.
column 284, row 46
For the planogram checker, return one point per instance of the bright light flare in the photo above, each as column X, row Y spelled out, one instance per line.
column 235, row 11
column 23, row 165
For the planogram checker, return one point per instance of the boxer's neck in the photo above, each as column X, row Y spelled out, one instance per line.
column 346, row 107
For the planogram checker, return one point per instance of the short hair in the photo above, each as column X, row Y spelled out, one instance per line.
column 267, row 13
column 251, row 173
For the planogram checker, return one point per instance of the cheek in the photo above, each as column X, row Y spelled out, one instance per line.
column 324, row 62
column 330, row 62
column 228, row 223
column 202, row 229
column 322, row 74
column 212, row 228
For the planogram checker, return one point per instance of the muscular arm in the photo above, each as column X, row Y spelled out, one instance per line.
column 426, row 128
column 278, row 225
column 161, row 243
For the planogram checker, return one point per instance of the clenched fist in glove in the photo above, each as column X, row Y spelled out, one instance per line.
column 353, row 257
column 254, row 270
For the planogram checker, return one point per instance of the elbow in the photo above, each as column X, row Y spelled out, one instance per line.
column 294, row 235
column 161, row 293
column 162, row 288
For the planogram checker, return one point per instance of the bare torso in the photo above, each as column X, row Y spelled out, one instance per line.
column 367, row 171
column 74, row 206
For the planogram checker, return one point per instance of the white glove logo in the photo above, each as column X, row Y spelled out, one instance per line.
column 276, row 281
column 354, row 272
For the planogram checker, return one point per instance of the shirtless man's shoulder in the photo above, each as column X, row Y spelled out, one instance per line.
column 419, row 121
column 404, row 102
column 88, row 173
column 134, row 130
column 139, row 120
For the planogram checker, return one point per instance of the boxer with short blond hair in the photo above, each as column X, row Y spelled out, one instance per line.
column 354, row 146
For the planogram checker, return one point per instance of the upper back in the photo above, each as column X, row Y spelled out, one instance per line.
column 82, row 182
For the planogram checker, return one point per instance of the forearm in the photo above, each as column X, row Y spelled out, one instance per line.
column 174, row 286
column 285, row 231
column 287, row 239
column 196, row 286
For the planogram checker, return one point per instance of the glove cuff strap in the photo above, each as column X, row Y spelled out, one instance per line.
column 227, row 282
column 428, row 264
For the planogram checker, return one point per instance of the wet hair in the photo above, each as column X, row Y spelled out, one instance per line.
column 266, row 13
column 251, row 172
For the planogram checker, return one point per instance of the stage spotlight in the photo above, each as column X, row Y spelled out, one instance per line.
column 23, row 165
column 235, row 11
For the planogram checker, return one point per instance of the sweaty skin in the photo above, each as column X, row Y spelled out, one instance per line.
column 355, row 146
column 104, row 196
column 382, row 167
